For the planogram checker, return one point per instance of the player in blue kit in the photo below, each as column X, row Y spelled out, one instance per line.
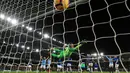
column 29, row 67
column 95, row 67
column 69, row 68
column 111, row 65
column 59, row 65
column 43, row 63
column 116, row 61
column 48, row 64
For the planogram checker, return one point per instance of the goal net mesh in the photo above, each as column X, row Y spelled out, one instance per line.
column 30, row 28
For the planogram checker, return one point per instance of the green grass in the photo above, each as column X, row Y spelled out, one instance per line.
column 46, row 72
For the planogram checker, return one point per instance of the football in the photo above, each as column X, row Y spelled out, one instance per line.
column 61, row 5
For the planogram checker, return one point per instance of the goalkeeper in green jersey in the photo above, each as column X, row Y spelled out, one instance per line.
column 66, row 52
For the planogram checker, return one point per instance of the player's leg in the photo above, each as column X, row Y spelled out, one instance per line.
column 96, row 68
column 58, row 68
column 27, row 68
column 44, row 67
column 70, row 67
column 91, row 67
column 117, row 68
column 111, row 68
column 67, row 69
column 79, row 68
column 62, row 66
column 48, row 67
column 82, row 69
column 30, row 68
column 41, row 67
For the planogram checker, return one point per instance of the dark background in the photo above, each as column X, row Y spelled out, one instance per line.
column 104, row 24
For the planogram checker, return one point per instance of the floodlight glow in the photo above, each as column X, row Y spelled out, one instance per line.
column 40, row 33
column 99, row 57
column 28, row 48
column 60, row 42
column 22, row 46
column 8, row 19
column 3, row 41
column 54, row 39
column 37, row 50
column 48, row 49
column 101, row 54
column 23, row 25
column 2, row 16
column 14, row 21
column 54, row 51
column 29, row 28
column 94, row 54
column 46, row 36
column 82, row 53
column 65, row 44
column 17, row 45
column 11, row 44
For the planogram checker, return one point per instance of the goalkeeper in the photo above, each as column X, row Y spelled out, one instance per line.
column 66, row 52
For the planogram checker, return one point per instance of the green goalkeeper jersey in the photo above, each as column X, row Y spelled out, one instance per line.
column 66, row 52
column 82, row 65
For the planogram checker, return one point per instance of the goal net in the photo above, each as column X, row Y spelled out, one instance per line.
column 31, row 29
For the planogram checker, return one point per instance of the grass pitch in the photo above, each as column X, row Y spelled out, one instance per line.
column 48, row 72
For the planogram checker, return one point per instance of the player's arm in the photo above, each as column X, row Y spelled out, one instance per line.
column 75, row 48
column 40, row 58
column 116, row 61
column 107, row 57
column 57, row 49
column 79, row 45
column 58, row 56
column 47, row 58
